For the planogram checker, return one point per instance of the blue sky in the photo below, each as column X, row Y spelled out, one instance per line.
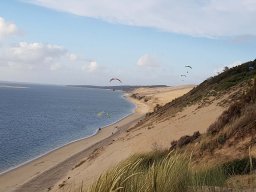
column 141, row 42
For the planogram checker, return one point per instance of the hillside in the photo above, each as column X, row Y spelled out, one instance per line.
column 205, row 112
column 222, row 156
column 230, row 136
column 225, row 88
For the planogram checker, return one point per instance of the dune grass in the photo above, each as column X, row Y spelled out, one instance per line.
column 157, row 172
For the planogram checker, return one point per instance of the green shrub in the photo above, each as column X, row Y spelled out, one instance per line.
column 222, row 139
column 209, row 177
column 239, row 166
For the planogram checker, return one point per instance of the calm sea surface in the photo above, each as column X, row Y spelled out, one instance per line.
column 37, row 119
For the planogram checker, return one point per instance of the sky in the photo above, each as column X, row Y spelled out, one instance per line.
column 142, row 42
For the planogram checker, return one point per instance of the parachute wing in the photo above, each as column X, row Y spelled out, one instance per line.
column 115, row 79
column 188, row 66
column 183, row 75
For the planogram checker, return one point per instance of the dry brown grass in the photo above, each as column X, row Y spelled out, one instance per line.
column 226, row 117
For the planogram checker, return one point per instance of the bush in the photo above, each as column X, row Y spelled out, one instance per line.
column 185, row 140
column 209, row 177
column 226, row 117
column 239, row 166
column 222, row 139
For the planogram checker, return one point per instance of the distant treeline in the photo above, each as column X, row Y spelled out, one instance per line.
column 121, row 88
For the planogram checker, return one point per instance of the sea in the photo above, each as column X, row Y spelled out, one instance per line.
column 36, row 119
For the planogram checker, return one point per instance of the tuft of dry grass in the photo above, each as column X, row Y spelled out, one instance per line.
column 157, row 172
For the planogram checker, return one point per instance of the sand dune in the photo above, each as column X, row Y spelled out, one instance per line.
column 162, row 95
column 142, row 139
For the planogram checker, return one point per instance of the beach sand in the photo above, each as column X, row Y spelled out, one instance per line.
column 142, row 139
column 84, row 160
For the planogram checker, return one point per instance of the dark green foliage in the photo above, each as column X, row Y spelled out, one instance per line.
column 153, row 157
column 209, row 177
column 239, row 166
column 222, row 139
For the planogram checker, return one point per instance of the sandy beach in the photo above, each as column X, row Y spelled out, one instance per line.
column 84, row 160
column 13, row 179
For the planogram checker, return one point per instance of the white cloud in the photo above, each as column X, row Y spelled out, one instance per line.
column 72, row 56
column 36, row 56
column 7, row 28
column 45, row 63
column 55, row 66
column 147, row 61
column 91, row 67
column 208, row 18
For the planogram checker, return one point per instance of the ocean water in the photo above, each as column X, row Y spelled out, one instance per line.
column 35, row 119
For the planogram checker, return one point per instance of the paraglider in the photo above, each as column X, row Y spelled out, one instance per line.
column 188, row 66
column 115, row 79
column 182, row 79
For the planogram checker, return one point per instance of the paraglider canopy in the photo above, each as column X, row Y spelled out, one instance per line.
column 188, row 66
column 183, row 75
column 115, row 79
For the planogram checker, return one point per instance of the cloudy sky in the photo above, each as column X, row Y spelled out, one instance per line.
column 139, row 41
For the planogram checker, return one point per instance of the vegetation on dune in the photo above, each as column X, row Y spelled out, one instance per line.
column 237, row 77
column 172, row 172
column 232, row 126
column 157, row 172
column 229, row 140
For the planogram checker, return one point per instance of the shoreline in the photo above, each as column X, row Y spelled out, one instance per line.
column 12, row 179
column 74, row 141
